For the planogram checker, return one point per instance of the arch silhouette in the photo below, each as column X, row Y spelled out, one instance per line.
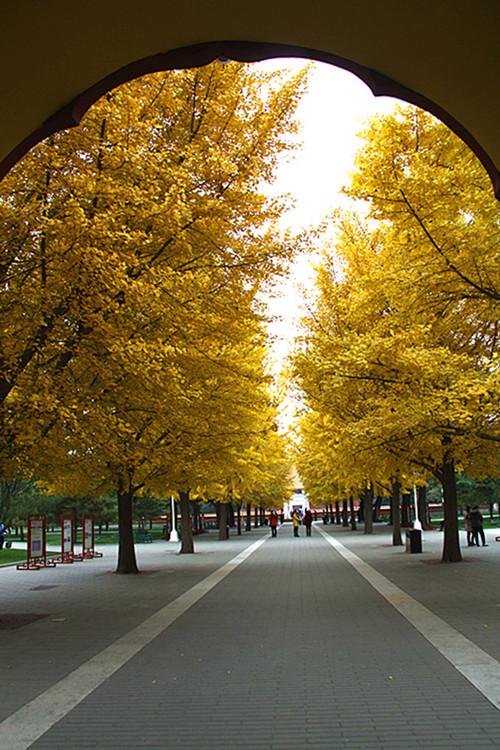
column 203, row 54
column 56, row 57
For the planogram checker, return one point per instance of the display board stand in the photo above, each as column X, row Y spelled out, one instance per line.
column 36, row 556
column 67, row 541
column 88, row 549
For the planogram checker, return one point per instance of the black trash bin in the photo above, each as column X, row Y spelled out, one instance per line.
column 413, row 540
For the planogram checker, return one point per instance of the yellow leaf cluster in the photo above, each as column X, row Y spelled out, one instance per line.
column 399, row 362
column 132, row 252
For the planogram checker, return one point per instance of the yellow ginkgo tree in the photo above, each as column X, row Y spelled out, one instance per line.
column 132, row 251
column 401, row 353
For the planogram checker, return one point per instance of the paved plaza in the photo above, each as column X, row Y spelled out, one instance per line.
column 335, row 641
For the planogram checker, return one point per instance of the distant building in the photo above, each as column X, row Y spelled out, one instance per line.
column 298, row 500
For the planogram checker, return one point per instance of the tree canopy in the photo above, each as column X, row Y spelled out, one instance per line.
column 400, row 357
column 133, row 249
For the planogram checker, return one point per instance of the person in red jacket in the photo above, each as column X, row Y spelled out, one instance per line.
column 273, row 522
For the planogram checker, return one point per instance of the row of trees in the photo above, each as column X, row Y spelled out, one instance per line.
column 132, row 253
column 398, row 365
column 20, row 497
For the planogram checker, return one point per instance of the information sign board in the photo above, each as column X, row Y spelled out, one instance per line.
column 67, row 534
column 36, row 556
column 88, row 550
column 36, row 536
column 67, row 537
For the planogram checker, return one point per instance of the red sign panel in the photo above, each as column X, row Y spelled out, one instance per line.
column 36, row 556
column 88, row 550
column 67, row 538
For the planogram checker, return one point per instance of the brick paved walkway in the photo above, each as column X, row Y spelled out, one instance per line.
column 292, row 649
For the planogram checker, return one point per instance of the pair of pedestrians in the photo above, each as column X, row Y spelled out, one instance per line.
column 296, row 520
column 473, row 522
column 306, row 521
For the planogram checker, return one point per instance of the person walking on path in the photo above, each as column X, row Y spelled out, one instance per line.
column 273, row 522
column 3, row 531
column 307, row 521
column 296, row 522
column 468, row 527
column 476, row 520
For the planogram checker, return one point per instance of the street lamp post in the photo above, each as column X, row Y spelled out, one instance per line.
column 174, row 537
column 417, row 524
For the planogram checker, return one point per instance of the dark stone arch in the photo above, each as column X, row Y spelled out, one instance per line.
column 203, row 54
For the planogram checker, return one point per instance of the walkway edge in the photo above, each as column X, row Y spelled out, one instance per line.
column 478, row 667
column 27, row 724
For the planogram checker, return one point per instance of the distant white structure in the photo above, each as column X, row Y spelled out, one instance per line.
column 298, row 500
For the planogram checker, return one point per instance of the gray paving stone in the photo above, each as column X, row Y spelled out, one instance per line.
column 292, row 650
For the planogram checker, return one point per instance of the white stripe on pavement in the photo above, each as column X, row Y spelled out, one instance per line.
column 481, row 669
column 26, row 725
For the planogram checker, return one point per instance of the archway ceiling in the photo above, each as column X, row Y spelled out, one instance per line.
column 58, row 57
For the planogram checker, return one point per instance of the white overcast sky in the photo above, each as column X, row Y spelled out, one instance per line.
column 331, row 114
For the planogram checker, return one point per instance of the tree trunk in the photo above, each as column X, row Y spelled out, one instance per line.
column 187, row 543
column 248, row 525
column 423, row 507
column 337, row 513
column 406, row 519
column 353, row 514
column 376, row 508
column 196, row 518
column 126, row 551
column 345, row 519
column 361, row 508
column 368, row 509
column 451, row 543
column 223, row 529
column 238, row 519
column 395, row 513
column 256, row 517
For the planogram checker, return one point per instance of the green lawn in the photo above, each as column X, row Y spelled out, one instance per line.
column 17, row 555
column 487, row 523
column 107, row 537
column 12, row 555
